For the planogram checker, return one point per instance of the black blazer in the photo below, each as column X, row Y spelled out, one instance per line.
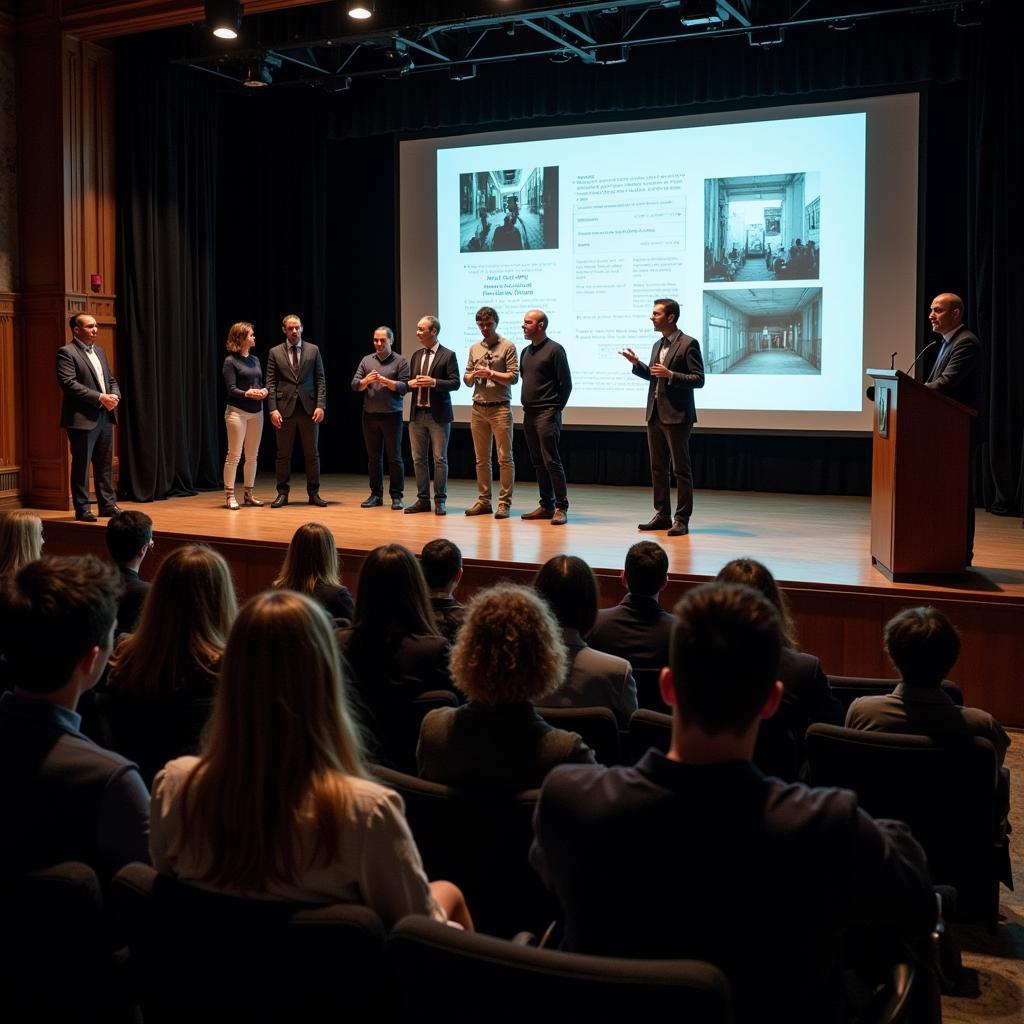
column 675, row 397
column 961, row 376
column 445, row 370
column 286, row 387
column 81, row 407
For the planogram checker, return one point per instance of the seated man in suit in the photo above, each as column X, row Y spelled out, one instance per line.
column 767, row 880
column 441, row 562
column 62, row 797
column 129, row 540
column 638, row 628
column 923, row 646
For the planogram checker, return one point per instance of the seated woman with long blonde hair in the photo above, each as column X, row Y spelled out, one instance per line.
column 278, row 804
column 21, row 540
column 311, row 568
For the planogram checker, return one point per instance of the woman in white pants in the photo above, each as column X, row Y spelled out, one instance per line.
column 243, row 416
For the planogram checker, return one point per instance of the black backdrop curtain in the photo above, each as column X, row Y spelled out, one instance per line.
column 306, row 217
column 166, row 165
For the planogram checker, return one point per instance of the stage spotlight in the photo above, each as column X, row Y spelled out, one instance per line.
column 361, row 10
column 224, row 17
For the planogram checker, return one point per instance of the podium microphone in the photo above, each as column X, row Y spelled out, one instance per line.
column 931, row 344
column 870, row 393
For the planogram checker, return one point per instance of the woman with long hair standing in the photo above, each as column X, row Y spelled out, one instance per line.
column 278, row 804
column 243, row 378
column 311, row 568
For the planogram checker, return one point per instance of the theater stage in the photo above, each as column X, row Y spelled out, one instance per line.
column 817, row 547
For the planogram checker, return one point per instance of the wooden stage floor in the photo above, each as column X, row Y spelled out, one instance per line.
column 817, row 547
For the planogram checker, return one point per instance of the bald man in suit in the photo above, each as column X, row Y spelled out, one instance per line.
column 88, row 413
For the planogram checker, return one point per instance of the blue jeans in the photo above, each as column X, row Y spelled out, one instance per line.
column 426, row 433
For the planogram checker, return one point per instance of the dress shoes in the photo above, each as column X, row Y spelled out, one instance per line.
column 502, row 512
column 678, row 529
column 315, row 499
column 280, row 501
column 657, row 523
column 559, row 517
column 108, row 512
column 397, row 504
column 373, row 501
column 88, row 516
column 417, row 506
column 540, row 512
column 439, row 509
column 481, row 508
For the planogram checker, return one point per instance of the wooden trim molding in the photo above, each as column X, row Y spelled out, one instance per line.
column 11, row 386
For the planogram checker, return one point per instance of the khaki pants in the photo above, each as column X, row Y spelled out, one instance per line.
column 495, row 421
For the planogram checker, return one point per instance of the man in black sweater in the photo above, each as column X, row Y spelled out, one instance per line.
column 547, row 383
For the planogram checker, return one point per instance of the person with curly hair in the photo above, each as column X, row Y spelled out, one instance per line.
column 509, row 654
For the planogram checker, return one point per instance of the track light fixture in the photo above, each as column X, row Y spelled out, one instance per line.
column 224, row 17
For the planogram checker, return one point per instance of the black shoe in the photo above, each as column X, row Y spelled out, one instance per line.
column 439, row 509
column 657, row 523
column 373, row 501
column 396, row 504
column 86, row 517
column 315, row 499
column 280, row 501
column 679, row 529
column 417, row 506
column 108, row 512
column 540, row 512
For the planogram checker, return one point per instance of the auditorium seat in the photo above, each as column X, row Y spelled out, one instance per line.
column 479, row 840
column 198, row 956
column 647, row 729
column 463, row 978
column 848, row 688
column 944, row 790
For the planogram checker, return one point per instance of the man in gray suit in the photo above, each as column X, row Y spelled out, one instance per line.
column 297, row 397
column 88, row 413
column 675, row 370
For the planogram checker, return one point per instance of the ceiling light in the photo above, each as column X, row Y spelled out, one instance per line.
column 360, row 9
column 224, row 18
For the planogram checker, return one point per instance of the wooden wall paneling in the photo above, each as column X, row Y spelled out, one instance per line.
column 10, row 403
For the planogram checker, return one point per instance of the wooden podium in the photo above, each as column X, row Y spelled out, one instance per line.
column 919, row 465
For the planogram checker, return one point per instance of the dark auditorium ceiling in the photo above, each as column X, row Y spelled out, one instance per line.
column 297, row 43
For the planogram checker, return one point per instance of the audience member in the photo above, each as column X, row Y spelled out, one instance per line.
column 637, row 628
column 62, row 797
column 594, row 679
column 129, row 540
column 923, row 646
column 441, row 562
column 806, row 694
column 278, row 805
column 21, row 540
column 394, row 647
column 509, row 656
column 163, row 676
column 737, row 847
column 311, row 567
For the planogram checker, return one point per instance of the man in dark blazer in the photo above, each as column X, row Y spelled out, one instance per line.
column 676, row 368
column 88, row 413
column 62, row 797
column 297, row 397
column 959, row 372
column 435, row 375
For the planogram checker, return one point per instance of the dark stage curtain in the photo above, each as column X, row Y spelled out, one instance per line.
column 166, row 162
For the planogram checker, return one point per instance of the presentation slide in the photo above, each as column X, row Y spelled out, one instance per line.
column 758, row 227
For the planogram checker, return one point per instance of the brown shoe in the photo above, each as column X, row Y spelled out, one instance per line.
column 540, row 512
column 481, row 508
column 502, row 512
column 559, row 518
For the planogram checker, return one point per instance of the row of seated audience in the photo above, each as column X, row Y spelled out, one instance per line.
column 279, row 802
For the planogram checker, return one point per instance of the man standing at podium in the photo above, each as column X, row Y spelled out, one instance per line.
column 959, row 373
